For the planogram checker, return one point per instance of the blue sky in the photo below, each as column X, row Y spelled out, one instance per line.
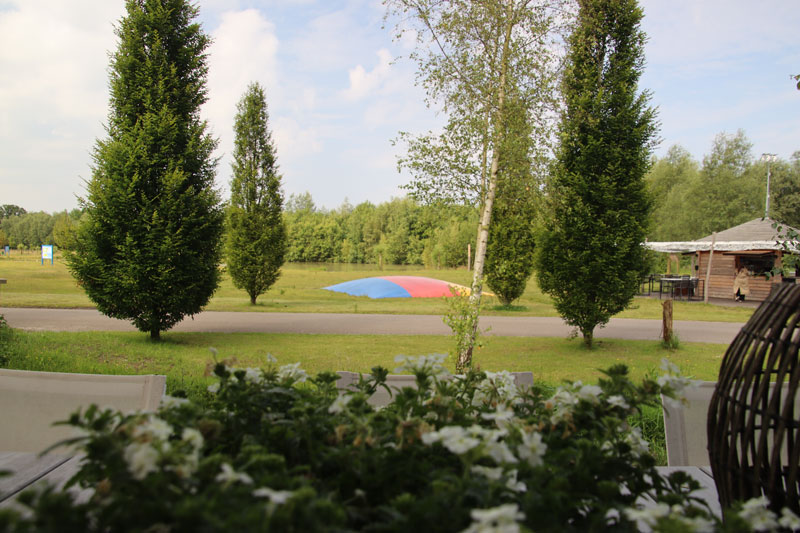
column 339, row 90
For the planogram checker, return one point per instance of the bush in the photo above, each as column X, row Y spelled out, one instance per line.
column 274, row 450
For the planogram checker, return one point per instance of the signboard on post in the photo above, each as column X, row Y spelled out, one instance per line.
column 47, row 253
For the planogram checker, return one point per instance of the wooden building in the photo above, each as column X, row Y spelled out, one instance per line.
column 752, row 245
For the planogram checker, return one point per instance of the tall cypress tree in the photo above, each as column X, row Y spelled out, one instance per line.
column 510, row 251
column 150, row 249
column 590, row 256
column 256, row 232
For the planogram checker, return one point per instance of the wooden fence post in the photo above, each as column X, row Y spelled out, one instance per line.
column 708, row 267
column 666, row 322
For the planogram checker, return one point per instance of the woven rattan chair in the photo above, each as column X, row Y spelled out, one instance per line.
column 32, row 401
column 753, row 418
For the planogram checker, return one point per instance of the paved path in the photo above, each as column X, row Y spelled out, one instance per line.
column 364, row 324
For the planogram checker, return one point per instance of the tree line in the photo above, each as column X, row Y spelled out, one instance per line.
column 400, row 232
column 693, row 199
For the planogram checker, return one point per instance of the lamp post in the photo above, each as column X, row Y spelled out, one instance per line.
column 768, row 158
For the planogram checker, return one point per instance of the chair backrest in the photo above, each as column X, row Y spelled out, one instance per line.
column 396, row 382
column 31, row 401
column 686, row 427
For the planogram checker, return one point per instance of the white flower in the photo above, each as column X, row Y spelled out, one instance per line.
column 496, row 386
column 648, row 515
column 293, row 373
column 278, row 497
column 698, row 524
column 513, row 484
column 532, row 448
column 169, row 402
column 589, row 393
column 500, row 452
column 229, row 475
column 340, row 404
column 253, row 375
column 460, row 444
column 214, row 388
column 638, row 445
column 562, row 404
column 193, row 437
column 502, row 416
column 142, row 459
column 454, row 438
column 152, row 427
column 429, row 364
column 673, row 384
column 501, row 519
column 755, row 513
column 789, row 520
column 271, row 358
column 493, row 474
column 617, row 401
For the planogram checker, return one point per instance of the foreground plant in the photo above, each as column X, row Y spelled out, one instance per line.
column 277, row 450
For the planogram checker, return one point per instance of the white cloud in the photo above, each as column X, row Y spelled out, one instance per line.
column 244, row 51
column 363, row 83
column 293, row 141
column 53, row 97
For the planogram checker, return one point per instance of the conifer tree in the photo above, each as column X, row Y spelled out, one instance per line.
column 150, row 249
column 256, row 242
column 590, row 256
column 510, row 251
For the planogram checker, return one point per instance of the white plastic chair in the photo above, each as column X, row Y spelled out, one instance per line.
column 31, row 401
column 685, row 427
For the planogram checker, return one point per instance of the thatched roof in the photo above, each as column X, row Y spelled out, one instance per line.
column 757, row 234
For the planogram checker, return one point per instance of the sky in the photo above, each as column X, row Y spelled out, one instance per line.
column 339, row 89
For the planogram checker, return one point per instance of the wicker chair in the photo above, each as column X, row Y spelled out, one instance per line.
column 753, row 419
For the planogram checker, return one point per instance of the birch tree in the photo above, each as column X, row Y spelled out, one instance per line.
column 472, row 57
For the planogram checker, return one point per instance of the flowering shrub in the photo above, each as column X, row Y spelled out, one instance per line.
column 277, row 450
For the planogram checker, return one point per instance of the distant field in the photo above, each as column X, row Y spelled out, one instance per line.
column 299, row 289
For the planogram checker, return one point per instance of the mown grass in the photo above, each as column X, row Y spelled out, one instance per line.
column 184, row 356
column 300, row 289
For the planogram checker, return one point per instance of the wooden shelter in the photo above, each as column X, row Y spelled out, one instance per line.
column 753, row 246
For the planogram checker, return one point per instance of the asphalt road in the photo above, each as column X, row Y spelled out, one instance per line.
column 365, row 324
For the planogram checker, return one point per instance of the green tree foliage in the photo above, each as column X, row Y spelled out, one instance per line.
column 668, row 182
column 256, row 242
column 29, row 230
column 590, row 255
column 691, row 201
column 150, row 249
column 509, row 257
column 10, row 210
column 729, row 190
column 785, row 191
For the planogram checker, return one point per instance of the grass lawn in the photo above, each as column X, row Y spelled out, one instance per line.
column 299, row 289
column 183, row 357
